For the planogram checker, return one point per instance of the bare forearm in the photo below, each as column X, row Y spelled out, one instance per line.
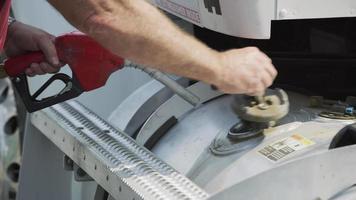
column 136, row 30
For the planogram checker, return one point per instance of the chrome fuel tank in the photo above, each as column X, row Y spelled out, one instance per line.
column 196, row 141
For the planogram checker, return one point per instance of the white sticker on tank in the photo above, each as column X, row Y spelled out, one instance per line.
column 284, row 147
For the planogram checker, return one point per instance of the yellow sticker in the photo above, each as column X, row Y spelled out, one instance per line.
column 286, row 146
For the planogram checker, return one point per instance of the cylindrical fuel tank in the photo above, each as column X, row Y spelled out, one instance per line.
column 197, row 141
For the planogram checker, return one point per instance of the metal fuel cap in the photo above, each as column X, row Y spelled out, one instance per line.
column 274, row 107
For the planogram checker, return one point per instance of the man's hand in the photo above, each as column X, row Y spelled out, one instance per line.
column 245, row 71
column 24, row 38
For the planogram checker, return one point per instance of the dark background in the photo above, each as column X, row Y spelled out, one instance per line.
column 315, row 57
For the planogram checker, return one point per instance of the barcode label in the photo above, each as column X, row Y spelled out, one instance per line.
column 284, row 147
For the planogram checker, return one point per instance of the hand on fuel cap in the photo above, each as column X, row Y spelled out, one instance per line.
column 245, row 71
column 23, row 38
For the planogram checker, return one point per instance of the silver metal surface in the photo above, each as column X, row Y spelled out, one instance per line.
column 115, row 161
column 187, row 145
column 191, row 137
column 174, row 108
column 9, row 142
column 132, row 113
column 322, row 176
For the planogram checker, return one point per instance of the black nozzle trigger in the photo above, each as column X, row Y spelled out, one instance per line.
column 71, row 90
